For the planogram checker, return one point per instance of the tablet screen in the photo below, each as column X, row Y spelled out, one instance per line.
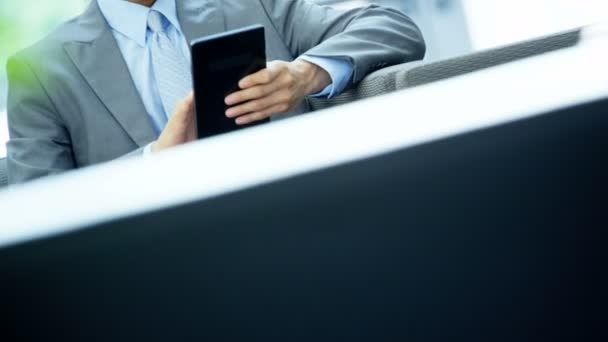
column 219, row 62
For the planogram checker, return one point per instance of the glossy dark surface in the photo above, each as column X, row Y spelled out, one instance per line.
column 219, row 62
column 495, row 235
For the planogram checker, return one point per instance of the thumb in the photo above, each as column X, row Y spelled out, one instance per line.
column 183, row 108
column 190, row 97
column 188, row 102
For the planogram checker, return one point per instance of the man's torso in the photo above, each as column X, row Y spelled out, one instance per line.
column 86, row 79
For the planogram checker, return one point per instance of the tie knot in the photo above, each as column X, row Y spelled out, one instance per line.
column 156, row 21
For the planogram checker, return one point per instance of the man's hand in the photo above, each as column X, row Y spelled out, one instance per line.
column 279, row 88
column 181, row 127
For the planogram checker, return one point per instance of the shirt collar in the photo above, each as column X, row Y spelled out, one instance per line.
column 131, row 20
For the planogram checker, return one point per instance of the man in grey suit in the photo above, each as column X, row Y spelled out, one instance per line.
column 113, row 81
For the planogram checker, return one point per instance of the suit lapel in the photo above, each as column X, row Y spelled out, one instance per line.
column 97, row 55
column 199, row 18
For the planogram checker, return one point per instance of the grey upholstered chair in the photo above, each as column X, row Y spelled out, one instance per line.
column 419, row 73
column 3, row 175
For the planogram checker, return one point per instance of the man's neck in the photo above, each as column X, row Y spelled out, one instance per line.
column 147, row 3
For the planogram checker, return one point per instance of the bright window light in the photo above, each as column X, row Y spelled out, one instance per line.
column 499, row 22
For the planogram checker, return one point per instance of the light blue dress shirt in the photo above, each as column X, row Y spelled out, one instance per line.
column 130, row 29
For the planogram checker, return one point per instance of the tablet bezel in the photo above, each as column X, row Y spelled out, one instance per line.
column 239, row 53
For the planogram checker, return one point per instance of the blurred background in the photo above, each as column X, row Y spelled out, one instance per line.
column 451, row 27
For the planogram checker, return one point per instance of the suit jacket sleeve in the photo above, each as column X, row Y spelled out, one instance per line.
column 40, row 143
column 371, row 38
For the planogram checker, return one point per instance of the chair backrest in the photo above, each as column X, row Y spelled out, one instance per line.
column 419, row 73
column 3, row 173
column 485, row 59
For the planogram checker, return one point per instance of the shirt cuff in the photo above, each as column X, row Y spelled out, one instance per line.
column 339, row 69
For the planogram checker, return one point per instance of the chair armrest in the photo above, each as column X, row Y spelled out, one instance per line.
column 380, row 82
column 418, row 73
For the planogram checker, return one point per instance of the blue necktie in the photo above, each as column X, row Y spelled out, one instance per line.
column 171, row 68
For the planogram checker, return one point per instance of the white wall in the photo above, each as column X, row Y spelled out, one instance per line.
column 498, row 22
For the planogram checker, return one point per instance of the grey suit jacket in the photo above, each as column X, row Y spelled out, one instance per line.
column 72, row 102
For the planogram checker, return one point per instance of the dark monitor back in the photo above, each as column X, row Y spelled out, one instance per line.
column 497, row 235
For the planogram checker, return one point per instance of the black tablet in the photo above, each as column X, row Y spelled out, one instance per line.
column 219, row 62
